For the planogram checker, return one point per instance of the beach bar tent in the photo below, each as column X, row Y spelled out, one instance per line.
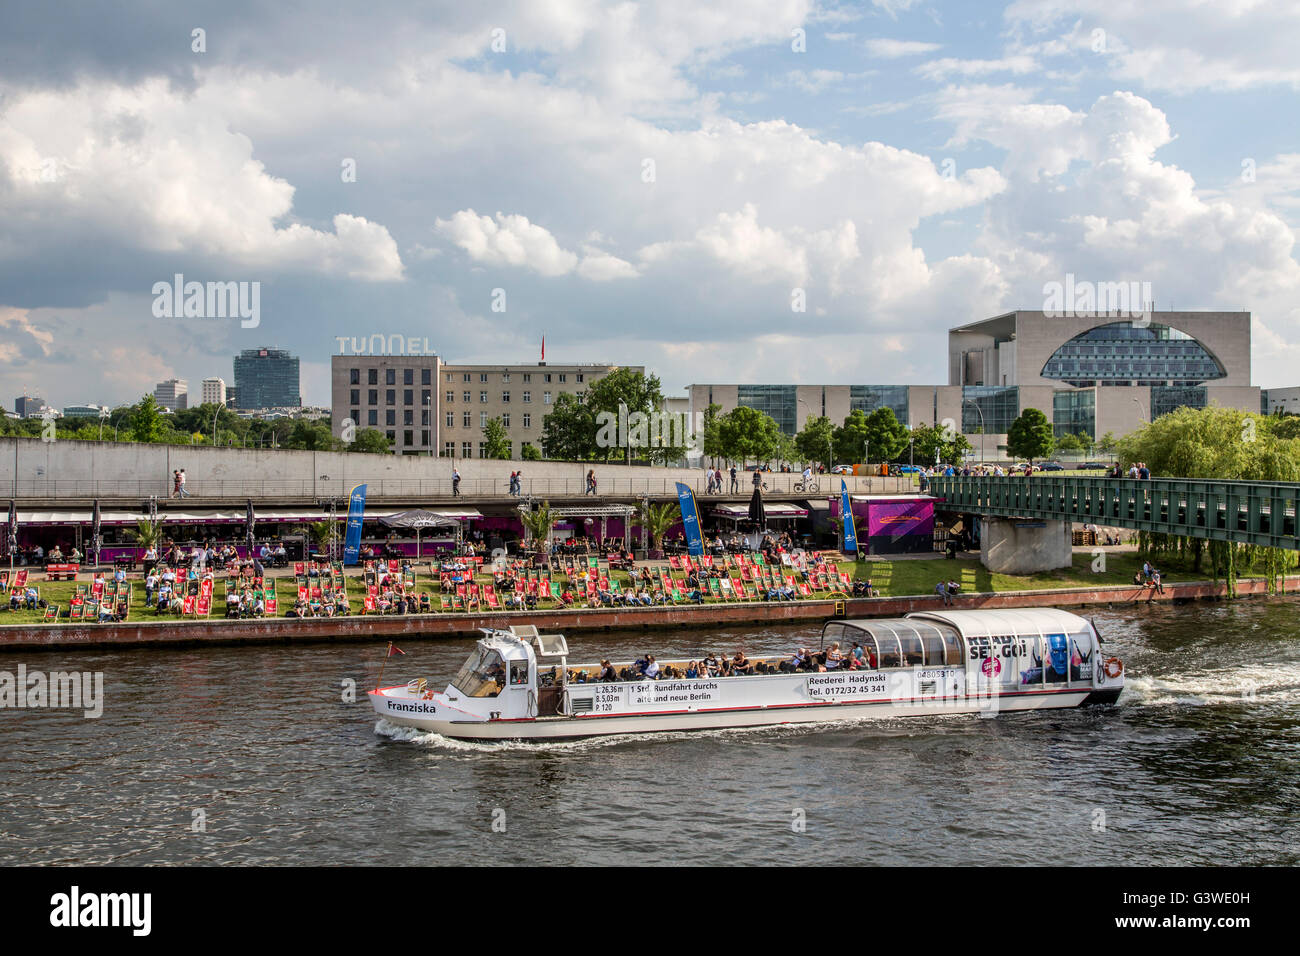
column 419, row 521
column 892, row 524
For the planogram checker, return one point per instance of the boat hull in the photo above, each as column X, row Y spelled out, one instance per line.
column 595, row 725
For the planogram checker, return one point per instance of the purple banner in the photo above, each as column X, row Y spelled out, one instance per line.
column 894, row 518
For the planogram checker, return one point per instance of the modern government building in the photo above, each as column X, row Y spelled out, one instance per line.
column 1093, row 374
column 1087, row 373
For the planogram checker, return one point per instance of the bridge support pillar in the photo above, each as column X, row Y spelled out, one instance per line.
column 1024, row 545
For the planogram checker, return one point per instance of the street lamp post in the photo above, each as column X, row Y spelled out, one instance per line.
column 1141, row 414
column 975, row 406
column 215, row 412
column 103, row 417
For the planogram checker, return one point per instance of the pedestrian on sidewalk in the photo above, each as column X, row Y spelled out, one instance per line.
column 184, row 493
column 455, row 483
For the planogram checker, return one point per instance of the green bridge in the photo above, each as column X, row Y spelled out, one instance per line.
column 1245, row 512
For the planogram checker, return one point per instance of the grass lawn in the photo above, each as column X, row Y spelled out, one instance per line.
column 892, row 578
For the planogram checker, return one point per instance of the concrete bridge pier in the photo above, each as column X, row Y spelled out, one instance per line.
column 1024, row 545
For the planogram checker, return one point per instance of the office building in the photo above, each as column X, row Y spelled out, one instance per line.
column 172, row 394
column 214, row 391
column 266, row 378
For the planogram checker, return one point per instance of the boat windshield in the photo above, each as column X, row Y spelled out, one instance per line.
column 483, row 675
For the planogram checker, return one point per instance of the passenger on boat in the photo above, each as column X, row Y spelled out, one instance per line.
column 833, row 657
column 692, row 670
column 651, row 667
column 607, row 674
column 740, row 664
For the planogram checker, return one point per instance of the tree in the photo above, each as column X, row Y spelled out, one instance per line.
column 146, row 421
column 319, row 532
column 1107, row 443
column 628, row 392
column 1030, row 436
column 370, row 441
column 745, row 433
column 529, row 452
column 311, row 436
column 569, row 431
column 814, row 442
column 498, row 442
column 886, row 436
column 710, row 443
column 538, row 525
column 657, row 519
column 1068, row 442
column 146, row 533
column 851, row 438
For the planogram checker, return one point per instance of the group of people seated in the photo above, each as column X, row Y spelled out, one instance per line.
column 334, row 606
column 28, row 598
column 245, row 602
column 647, row 667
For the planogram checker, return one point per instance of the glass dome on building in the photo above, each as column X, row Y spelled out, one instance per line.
column 1153, row 354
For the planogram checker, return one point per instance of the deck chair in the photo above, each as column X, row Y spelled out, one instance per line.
column 51, row 613
column 77, row 612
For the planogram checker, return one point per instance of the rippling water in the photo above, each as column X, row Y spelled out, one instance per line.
column 1197, row 764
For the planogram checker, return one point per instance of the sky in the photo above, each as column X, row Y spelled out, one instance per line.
column 766, row 191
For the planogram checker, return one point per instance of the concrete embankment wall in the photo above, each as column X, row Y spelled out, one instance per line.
column 31, row 468
column 575, row 622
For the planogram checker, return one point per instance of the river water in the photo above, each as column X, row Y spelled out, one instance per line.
column 252, row 755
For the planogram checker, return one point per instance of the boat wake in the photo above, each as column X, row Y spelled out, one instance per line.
column 883, row 726
column 1235, row 685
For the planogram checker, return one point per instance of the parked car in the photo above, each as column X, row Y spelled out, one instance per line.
column 1049, row 466
column 909, row 470
column 842, row 470
column 1095, row 466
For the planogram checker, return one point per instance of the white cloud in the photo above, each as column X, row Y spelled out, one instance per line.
column 507, row 241
column 149, row 168
column 888, row 49
column 941, row 69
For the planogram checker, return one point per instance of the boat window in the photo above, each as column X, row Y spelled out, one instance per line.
column 518, row 673
column 913, row 653
column 890, row 654
column 832, row 632
column 868, row 642
column 483, row 675
column 952, row 643
column 933, row 641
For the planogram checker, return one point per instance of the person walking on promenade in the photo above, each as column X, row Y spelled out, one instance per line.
column 184, row 493
column 591, row 482
column 176, row 483
column 455, row 483
column 735, row 485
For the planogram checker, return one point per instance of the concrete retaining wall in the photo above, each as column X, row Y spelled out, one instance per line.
column 1023, row 546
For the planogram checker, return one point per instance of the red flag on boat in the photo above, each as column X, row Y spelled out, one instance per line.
column 393, row 648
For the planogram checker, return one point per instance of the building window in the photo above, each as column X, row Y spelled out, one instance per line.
column 372, row 417
column 482, row 398
column 372, row 376
column 505, row 378
column 465, row 396
column 466, row 378
column 450, row 378
column 997, row 407
column 528, row 397
column 408, row 438
column 546, row 398
column 467, row 449
column 505, row 398
column 581, row 397
column 426, row 396
column 408, row 396
column 528, row 420
column 578, row 377
column 563, row 377
column 1074, row 413
column 408, row 417
column 868, row 398
column 464, row 420
column 482, row 376
column 547, row 377
column 505, row 420
column 426, row 376
column 372, row 396
column 354, row 376
column 451, row 398
column 449, row 449
column 424, row 418
column 451, row 419
column 777, row 401
column 482, row 419
column 390, row 417
column 355, row 396
column 482, row 449
column 528, row 377
column 392, row 436
column 390, row 376
column 356, row 415
column 390, row 394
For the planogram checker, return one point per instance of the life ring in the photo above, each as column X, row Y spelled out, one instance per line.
column 1114, row 667
column 427, row 695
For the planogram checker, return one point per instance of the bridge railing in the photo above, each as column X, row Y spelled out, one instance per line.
column 325, row 486
column 1259, row 513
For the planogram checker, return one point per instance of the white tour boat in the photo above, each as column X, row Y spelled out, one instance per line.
column 518, row 684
